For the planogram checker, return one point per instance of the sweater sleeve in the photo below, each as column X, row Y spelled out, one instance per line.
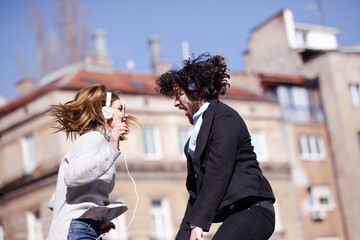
column 90, row 157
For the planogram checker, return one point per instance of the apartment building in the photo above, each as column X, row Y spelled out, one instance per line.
column 30, row 154
column 299, row 98
column 312, row 53
column 309, row 154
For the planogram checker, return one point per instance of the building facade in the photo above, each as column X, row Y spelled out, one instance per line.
column 312, row 52
column 31, row 153
column 298, row 98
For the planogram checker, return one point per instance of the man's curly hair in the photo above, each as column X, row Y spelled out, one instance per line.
column 209, row 73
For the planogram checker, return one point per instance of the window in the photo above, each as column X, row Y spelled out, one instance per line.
column 355, row 94
column 294, row 102
column 2, row 233
column 300, row 36
column 312, row 147
column 184, row 134
column 327, row 238
column 278, row 225
column 34, row 226
column 29, row 153
column 259, row 143
column 152, row 143
column 321, row 198
column 119, row 233
column 161, row 222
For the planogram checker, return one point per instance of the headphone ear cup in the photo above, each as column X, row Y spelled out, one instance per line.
column 108, row 112
column 193, row 86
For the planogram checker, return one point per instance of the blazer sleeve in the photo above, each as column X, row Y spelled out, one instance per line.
column 224, row 139
column 90, row 158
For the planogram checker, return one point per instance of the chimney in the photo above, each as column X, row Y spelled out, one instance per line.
column 24, row 86
column 99, row 42
column 3, row 100
column 185, row 49
column 98, row 57
column 155, row 49
column 159, row 66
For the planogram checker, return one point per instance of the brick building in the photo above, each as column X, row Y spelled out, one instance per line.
column 331, row 80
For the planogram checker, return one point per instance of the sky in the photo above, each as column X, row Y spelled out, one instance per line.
column 217, row 27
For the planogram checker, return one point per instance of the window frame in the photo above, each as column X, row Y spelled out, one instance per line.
column 354, row 94
column 294, row 102
column 28, row 147
column 312, row 147
column 34, row 226
column 156, row 141
column 161, row 220
column 327, row 238
column 2, row 232
column 318, row 192
column 120, row 232
column 183, row 139
column 258, row 141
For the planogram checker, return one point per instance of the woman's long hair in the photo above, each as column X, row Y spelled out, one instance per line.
column 84, row 113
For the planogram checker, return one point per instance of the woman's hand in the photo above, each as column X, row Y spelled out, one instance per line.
column 197, row 234
column 118, row 130
column 107, row 227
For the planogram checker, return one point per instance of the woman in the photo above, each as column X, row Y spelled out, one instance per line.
column 80, row 204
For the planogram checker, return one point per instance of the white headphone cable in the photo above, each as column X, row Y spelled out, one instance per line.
column 137, row 199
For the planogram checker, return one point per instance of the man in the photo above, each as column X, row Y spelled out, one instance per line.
column 224, row 180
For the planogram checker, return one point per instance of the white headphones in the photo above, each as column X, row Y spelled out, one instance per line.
column 107, row 111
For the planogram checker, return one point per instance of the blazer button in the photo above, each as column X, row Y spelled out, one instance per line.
column 195, row 175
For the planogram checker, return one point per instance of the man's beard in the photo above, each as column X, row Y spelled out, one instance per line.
column 192, row 110
column 191, row 120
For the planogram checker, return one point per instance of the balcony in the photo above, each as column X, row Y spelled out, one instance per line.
column 307, row 115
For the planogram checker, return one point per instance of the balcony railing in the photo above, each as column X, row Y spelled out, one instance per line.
column 310, row 115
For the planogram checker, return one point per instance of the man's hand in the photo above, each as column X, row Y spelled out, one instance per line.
column 197, row 234
column 107, row 227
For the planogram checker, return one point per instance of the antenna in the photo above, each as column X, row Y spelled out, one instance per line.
column 318, row 7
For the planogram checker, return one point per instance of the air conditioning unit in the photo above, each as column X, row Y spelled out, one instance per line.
column 318, row 214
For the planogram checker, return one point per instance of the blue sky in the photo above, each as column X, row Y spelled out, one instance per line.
column 219, row 27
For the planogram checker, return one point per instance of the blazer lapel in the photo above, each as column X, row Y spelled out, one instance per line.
column 186, row 149
column 203, row 134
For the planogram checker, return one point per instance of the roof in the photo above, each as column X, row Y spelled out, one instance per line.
column 317, row 28
column 115, row 81
column 239, row 93
column 124, row 82
column 267, row 20
column 268, row 80
column 298, row 25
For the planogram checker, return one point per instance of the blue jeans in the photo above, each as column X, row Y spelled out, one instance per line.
column 81, row 229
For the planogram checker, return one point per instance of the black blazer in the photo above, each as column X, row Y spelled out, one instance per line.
column 224, row 168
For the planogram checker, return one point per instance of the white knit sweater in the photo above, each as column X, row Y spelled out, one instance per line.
column 86, row 177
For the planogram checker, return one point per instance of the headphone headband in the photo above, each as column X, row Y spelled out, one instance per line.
column 108, row 99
